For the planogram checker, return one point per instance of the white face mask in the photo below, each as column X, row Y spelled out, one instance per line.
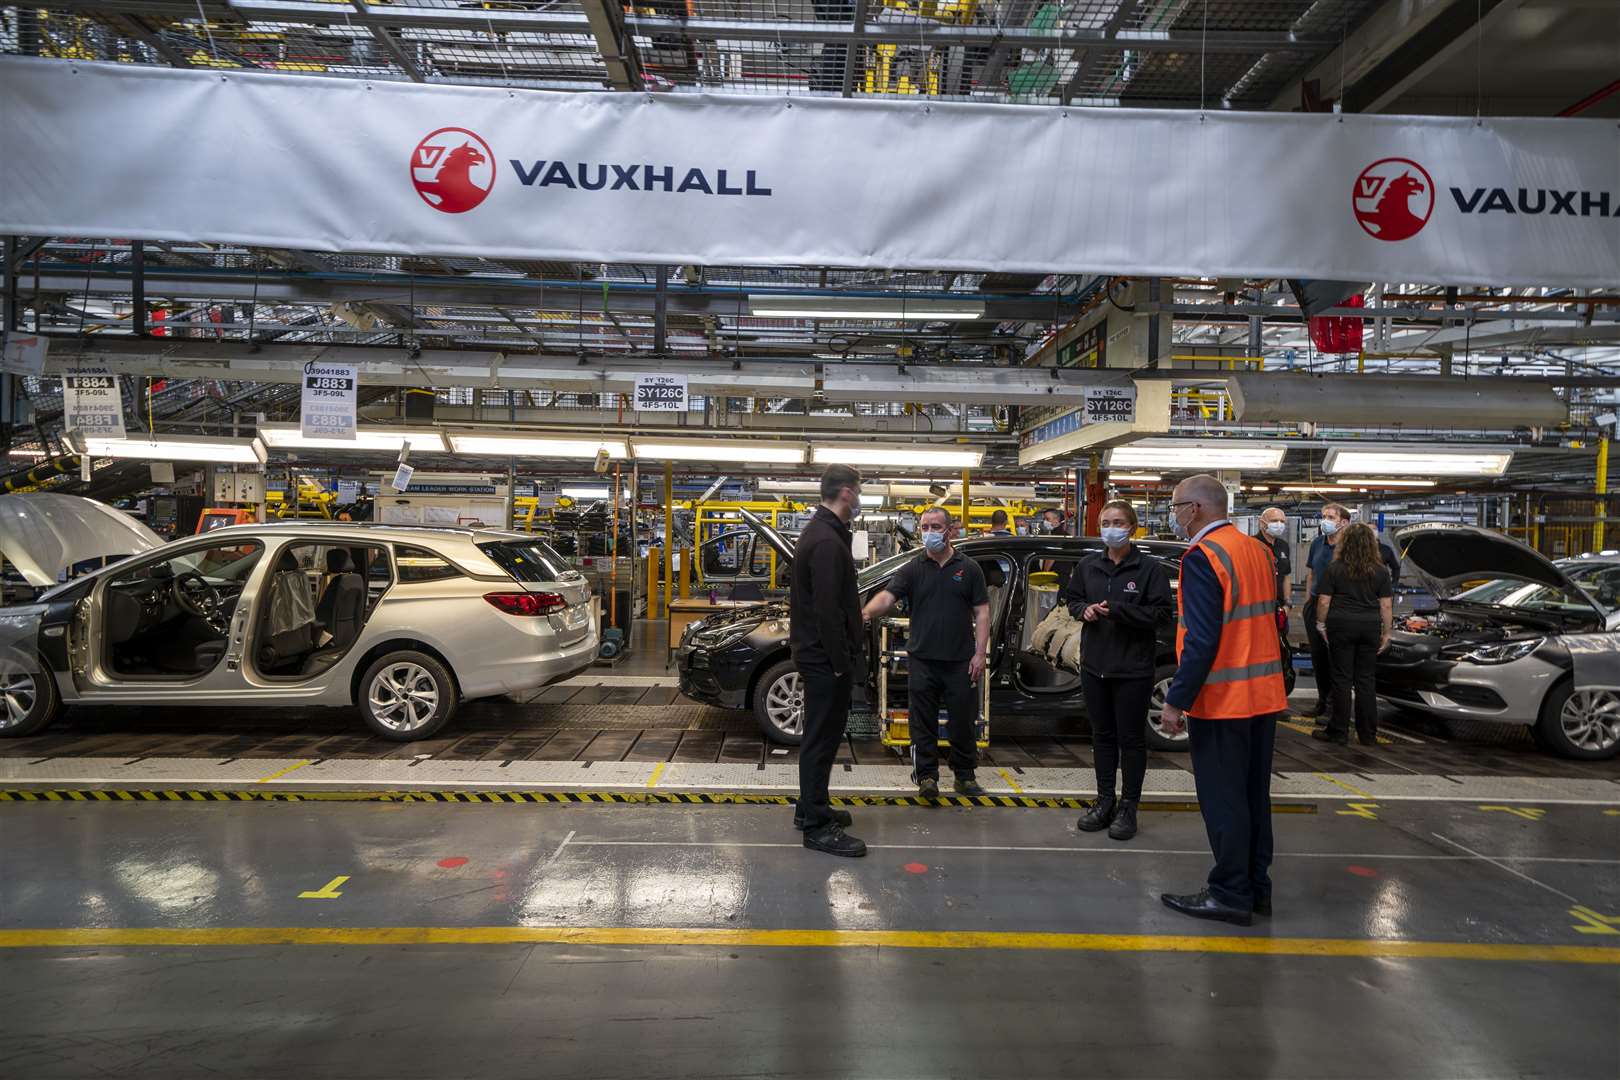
column 1277, row 528
column 1115, row 537
column 1330, row 526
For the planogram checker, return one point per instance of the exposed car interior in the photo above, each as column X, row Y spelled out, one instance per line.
column 1049, row 640
column 168, row 619
column 317, row 599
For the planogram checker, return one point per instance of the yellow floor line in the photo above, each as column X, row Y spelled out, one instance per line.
column 1306, row 729
column 1351, row 789
column 1007, row 776
column 811, row 939
column 283, row 772
column 658, row 770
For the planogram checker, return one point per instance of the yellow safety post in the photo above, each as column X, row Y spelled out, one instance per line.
column 653, row 554
column 967, row 503
column 669, row 534
column 1602, row 490
column 686, row 572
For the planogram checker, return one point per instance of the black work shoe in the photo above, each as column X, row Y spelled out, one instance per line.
column 1319, row 709
column 1124, row 824
column 1367, row 740
column 1327, row 735
column 967, row 785
column 1262, row 904
column 928, row 787
column 842, row 817
column 1100, row 816
column 834, row 841
column 1201, row 905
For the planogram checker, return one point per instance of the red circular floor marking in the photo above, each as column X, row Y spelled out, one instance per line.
column 916, row 868
column 1362, row 871
column 453, row 862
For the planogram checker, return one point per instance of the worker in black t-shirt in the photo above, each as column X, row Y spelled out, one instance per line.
column 946, row 648
column 1355, row 613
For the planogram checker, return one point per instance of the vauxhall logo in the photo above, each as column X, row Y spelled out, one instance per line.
column 1393, row 199
column 453, row 170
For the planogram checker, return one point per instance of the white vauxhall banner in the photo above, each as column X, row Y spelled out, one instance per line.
column 327, row 403
column 346, row 165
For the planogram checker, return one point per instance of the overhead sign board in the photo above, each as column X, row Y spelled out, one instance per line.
column 328, row 402
column 660, row 393
column 23, row 354
column 93, row 403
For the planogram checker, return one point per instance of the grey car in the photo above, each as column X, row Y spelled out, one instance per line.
column 1512, row 638
column 403, row 623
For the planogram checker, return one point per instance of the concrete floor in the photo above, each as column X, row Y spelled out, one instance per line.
column 705, row 942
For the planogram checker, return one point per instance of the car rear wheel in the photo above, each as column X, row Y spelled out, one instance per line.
column 1156, row 737
column 1582, row 724
column 779, row 703
column 28, row 697
column 407, row 695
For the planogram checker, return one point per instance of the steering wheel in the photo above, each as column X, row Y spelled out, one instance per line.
column 196, row 597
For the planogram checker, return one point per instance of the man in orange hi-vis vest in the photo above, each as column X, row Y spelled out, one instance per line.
column 1227, row 691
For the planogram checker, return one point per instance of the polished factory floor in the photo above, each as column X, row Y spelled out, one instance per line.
column 1418, row 939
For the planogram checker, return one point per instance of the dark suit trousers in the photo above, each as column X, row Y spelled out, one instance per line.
column 1231, row 762
column 826, row 712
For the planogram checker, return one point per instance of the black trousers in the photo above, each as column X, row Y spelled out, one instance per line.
column 931, row 682
column 1117, row 710
column 1321, row 658
column 1353, row 645
column 1232, row 773
column 826, row 712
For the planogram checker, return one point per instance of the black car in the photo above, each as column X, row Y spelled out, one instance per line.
column 739, row 658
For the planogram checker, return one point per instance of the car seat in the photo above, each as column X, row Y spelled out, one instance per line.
column 342, row 607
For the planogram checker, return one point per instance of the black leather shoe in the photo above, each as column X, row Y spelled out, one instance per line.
column 1124, row 824
column 967, row 785
column 1367, row 740
column 1100, row 816
column 1319, row 709
column 834, row 841
column 1200, row 905
column 1262, row 905
column 1327, row 735
column 842, row 817
column 928, row 787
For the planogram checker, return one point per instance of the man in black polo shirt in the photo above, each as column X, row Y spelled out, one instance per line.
column 945, row 647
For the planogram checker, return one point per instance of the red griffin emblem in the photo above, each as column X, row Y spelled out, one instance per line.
column 453, row 170
column 1393, row 199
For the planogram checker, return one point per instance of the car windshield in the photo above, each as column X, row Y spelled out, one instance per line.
column 1525, row 596
column 1600, row 580
column 880, row 570
column 527, row 560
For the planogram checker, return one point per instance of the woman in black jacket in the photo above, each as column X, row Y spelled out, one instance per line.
column 1123, row 597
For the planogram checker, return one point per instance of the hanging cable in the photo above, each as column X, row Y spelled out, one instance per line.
column 1203, row 61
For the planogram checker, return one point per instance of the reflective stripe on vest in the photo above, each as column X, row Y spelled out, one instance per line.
column 1246, row 677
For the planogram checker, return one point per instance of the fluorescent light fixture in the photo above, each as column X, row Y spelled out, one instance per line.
column 32, row 454
column 1197, row 455
column 1396, row 460
column 1374, row 482
column 871, row 500
column 742, row 451
column 854, row 307
column 1255, row 487
column 1136, row 477
column 179, row 448
column 367, row 437
column 790, row 487
column 1317, row 489
column 585, row 492
column 878, row 454
column 540, row 446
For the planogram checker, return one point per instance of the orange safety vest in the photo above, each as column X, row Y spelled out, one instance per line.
column 1246, row 679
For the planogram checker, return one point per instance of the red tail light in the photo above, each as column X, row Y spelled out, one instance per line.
column 527, row 603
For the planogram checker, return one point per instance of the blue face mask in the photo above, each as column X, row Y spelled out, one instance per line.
column 1329, row 526
column 1116, row 537
column 1177, row 527
column 933, row 541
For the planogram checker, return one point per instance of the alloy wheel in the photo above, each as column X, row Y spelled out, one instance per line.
column 404, row 697
column 1156, row 712
column 1591, row 719
column 18, row 695
column 784, row 704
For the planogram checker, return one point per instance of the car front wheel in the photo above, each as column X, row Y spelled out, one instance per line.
column 1582, row 723
column 1156, row 737
column 779, row 703
column 407, row 695
column 28, row 698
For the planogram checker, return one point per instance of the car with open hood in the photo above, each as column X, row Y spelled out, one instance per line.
column 402, row 623
column 1511, row 637
column 738, row 658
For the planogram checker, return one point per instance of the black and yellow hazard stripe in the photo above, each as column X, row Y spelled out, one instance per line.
column 688, row 798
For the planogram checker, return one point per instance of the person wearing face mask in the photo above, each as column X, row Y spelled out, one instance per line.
column 1274, row 534
column 1123, row 597
column 946, row 647
column 824, row 633
column 1334, row 518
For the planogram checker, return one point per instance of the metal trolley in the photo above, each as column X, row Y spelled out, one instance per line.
column 894, row 721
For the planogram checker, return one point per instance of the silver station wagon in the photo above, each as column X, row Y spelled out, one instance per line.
column 402, row 623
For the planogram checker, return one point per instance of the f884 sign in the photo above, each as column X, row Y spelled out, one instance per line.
column 660, row 393
column 327, row 405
